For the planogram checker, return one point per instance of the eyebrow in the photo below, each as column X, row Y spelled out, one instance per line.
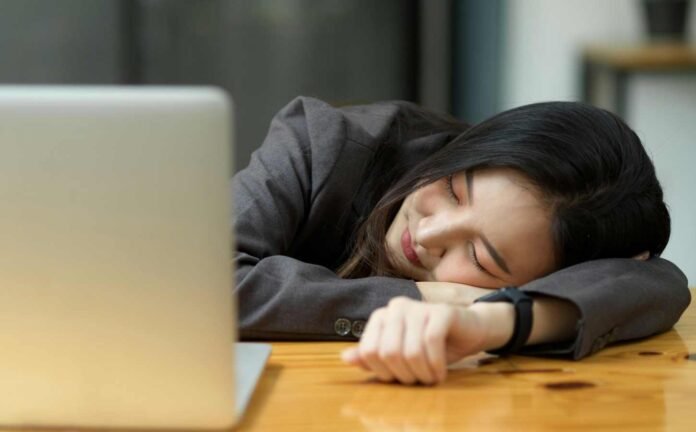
column 494, row 253
column 491, row 250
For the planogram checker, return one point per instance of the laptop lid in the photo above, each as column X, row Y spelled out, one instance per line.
column 116, row 307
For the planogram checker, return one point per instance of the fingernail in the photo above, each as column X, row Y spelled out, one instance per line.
column 348, row 355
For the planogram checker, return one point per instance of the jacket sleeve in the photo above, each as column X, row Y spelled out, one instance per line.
column 280, row 297
column 618, row 300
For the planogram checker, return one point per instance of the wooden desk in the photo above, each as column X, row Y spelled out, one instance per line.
column 648, row 385
column 618, row 63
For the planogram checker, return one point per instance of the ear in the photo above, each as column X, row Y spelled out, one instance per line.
column 643, row 256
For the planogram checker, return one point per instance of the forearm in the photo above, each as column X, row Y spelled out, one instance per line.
column 450, row 293
column 554, row 321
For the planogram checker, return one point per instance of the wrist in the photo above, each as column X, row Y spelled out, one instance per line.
column 497, row 321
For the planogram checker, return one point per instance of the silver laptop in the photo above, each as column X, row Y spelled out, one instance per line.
column 116, row 300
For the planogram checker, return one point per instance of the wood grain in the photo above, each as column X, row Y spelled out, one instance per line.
column 645, row 385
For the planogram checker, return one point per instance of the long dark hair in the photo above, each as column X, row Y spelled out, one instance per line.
column 590, row 167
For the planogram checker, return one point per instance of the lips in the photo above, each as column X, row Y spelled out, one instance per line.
column 409, row 252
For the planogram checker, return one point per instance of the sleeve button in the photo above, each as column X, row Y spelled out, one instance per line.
column 342, row 326
column 357, row 328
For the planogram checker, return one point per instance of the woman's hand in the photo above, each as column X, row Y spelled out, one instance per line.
column 451, row 293
column 412, row 342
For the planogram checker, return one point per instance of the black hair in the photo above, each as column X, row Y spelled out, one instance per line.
column 589, row 166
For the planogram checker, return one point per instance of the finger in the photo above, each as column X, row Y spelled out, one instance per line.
column 391, row 344
column 351, row 356
column 368, row 347
column 438, row 323
column 414, row 347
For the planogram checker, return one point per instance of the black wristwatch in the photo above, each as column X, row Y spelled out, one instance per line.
column 523, row 317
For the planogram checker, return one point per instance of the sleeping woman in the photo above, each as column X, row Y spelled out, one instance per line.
column 550, row 215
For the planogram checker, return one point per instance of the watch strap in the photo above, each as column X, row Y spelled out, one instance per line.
column 523, row 317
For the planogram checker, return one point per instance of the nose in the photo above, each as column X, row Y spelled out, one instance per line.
column 435, row 233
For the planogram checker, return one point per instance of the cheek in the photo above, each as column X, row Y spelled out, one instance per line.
column 535, row 269
column 397, row 227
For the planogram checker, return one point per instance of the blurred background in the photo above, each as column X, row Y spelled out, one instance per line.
column 471, row 58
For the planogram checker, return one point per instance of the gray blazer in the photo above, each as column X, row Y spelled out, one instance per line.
column 298, row 201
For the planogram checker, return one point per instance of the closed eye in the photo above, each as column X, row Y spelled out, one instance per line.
column 474, row 259
column 450, row 188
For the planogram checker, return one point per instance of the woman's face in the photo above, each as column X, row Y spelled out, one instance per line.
column 489, row 229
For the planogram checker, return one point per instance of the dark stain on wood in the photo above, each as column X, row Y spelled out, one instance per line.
column 650, row 353
column 524, row 371
column 691, row 357
column 569, row 385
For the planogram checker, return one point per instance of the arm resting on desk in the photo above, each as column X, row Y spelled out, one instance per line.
column 411, row 341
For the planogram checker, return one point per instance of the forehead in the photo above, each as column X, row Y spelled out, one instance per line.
column 506, row 181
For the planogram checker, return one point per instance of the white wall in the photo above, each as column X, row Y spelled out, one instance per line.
column 542, row 46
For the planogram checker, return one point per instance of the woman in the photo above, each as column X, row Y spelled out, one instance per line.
column 341, row 210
